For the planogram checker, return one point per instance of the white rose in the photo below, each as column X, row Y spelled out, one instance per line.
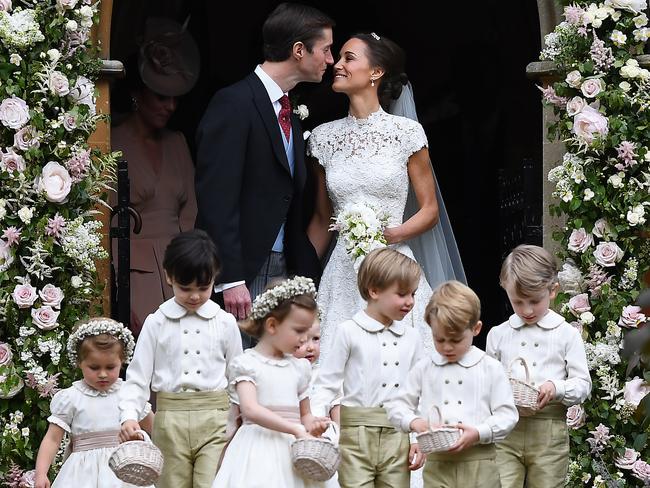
column 631, row 5
column 627, row 460
column 607, row 254
column 573, row 79
column 5, row 5
column 597, row 23
column 66, row 4
column 54, row 55
column 589, row 124
column 76, row 281
column 592, row 87
column 24, row 295
column 587, row 318
column 25, row 214
column 55, row 181
column 51, row 295
column 83, row 93
column 86, row 12
column 575, row 416
column 616, row 180
column 575, row 106
column 636, row 215
column 14, row 112
column 58, row 84
column 45, row 317
column 580, row 240
column 15, row 59
column 588, row 194
column 72, row 25
column 625, row 86
column 630, row 71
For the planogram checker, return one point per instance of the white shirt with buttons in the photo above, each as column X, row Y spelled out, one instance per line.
column 473, row 391
column 179, row 351
column 553, row 351
column 368, row 360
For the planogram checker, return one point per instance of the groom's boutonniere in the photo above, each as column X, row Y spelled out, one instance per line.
column 301, row 111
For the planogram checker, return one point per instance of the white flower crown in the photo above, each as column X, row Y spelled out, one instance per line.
column 99, row 326
column 267, row 301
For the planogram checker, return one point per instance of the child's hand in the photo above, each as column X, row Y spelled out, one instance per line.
column 419, row 425
column 316, row 425
column 546, row 394
column 301, row 433
column 468, row 438
column 41, row 481
column 129, row 431
column 416, row 458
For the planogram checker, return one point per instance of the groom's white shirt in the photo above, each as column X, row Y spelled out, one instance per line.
column 275, row 93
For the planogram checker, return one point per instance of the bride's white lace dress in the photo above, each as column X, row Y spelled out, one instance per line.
column 365, row 160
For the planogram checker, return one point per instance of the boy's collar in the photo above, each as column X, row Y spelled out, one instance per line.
column 550, row 321
column 366, row 322
column 471, row 357
column 174, row 311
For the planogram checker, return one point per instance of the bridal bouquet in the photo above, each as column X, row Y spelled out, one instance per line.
column 361, row 227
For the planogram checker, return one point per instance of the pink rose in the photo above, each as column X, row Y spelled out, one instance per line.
column 5, row 5
column 589, row 124
column 575, row 416
column 592, row 87
column 12, row 162
column 26, row 138
column 45, row 317
column 28, row 479
column 580, row 240
column 58, row 84
column 607, row 254
column 627, row 460
column 631, row 317
column 575, row 106
column 14, row 112
column 641, row 470
column 51, row 295
column 601, row 228
column 55, row 181
column 24, row 295
column 69, row 122
column 635, row 390
column 5, row 354
column 579, row 304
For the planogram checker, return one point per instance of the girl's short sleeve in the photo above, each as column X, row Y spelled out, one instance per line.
column 304, row 379
column 242, row 368
column 62, row 409
column 414, row 137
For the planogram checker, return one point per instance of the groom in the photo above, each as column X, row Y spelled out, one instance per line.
column 251, row 172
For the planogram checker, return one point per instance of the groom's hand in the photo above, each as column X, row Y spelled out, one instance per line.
column 237, row 301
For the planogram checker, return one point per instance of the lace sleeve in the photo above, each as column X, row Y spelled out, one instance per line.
column 316, row 146
column 414, row 138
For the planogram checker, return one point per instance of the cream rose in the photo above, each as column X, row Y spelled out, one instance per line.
column 575, row 106
column 589, row 124
column 51, row 295
column 574, row 79
column 58, row 84
column 631, row 317
column 592, row 87
column 14, row 112
column 55, row 181
column 76, row 281
column 580, row 240
column 579, row 304
column 627, row 460
column 575, row 416
column 45, row 317
column 24, row 295
column 636, row 215
column 25, row 214
column 5, row 354
column 587, row 318
column 607, row 254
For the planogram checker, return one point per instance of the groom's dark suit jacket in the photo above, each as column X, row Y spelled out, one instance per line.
column 244, row 188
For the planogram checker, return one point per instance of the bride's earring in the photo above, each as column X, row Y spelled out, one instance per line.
column 372, row 82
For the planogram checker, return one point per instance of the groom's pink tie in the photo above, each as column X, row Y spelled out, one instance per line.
column 284, row 117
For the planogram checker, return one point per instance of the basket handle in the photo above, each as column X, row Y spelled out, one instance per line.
column 523, row 362
column 332, row 433
column 145, row 436
column 432, row 409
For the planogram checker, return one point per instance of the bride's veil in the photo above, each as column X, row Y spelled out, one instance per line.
column 435, row 250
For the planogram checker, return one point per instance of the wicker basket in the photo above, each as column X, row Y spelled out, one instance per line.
column 524, row 393
column 315, row 459
column 438, row 438
column 137, row 462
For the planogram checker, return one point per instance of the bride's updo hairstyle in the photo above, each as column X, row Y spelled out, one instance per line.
column 384, row 53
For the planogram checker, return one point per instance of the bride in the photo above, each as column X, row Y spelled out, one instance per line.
column 377, row 158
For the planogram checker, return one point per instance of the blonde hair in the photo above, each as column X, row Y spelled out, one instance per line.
column 454, row 306
column 530, row 269
column 99, row 342
column 255, row 327
column 384, row 267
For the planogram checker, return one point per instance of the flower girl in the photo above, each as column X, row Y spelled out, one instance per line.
column 88, row 410
column 271, row 387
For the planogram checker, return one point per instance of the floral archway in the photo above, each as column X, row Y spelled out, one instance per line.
column 602, row 187
column 51, row 186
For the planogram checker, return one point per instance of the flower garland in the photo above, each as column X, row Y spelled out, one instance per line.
column 602, row 185
column 99, row 326
column 271, row 298
column 51, row 183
